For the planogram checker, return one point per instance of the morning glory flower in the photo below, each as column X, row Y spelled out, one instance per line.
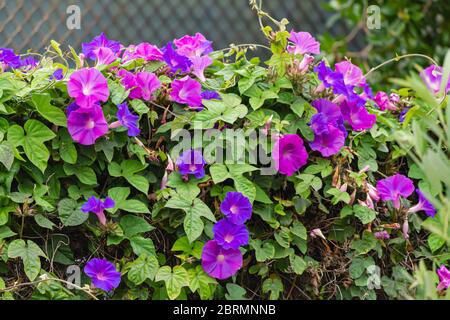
column 229, row 235
column 432, row 77
column 148, row 52
column 88, row 86
column 187, row 91
column 395, row 187
column 104, row 56
column 356, row 115
column 98, row 206
column 175, row 61
column 382, row 99
column 328, row 143
column 236, row 207
column 100, row 41
column 57, row 75
column 103, row 274
column 191, row 46
column 423, row 205
column 332, row 79
column 127, row 120
column 72, row 107
column 211, row 95
column 9, row 58
column 353, row 75
column 85, row 127
column 289, row 154
column 220, row 263
column 303, row 42
column 147, row 83
column 444, row 278
column 191, row 162
column 199, row 64
column 384, row 235
column 327, row 114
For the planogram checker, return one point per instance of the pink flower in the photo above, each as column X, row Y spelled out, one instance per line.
column 289, row 154
column 357, row 116
column 187, row 91
column 88, row 86
column 444, row 278
column 304, row 42
column 199, row 64
column 395, row 187
column 86, row 126
column 105, row 56
column 190, row 46
column 147, row 83
column 353, row 75
column 432, row 77
column 148, row 52
column 384, row 102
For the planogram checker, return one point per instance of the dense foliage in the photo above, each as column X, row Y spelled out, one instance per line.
column 102, row 174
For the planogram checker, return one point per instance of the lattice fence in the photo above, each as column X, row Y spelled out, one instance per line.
column 31, row 24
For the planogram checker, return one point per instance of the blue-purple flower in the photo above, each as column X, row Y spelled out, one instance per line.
column 175, row 61
column 57, row 75
column 100, row 41
column 127, row 120
column 423, row 205
column 191, row 162
column 229, row 235
column 97, row 207
column 103, row 274
column 236, row 207
column 395, row 187
column 220, row 263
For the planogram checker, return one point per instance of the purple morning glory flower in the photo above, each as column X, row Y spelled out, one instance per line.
column 99, row 42
column 395, row 187
column 148, row 52
column 210, row 95
column 192, row 46
column 328, row 114
column 191, row 162
column 103, row 274
column 199, row 64
column 353, row 75
column 29, row 62
column 88, row 86
column 187, row 91
column 289, row 154
column 332, row 79
column 444, row 278
column 303, row 42
column 147, row 83
column 175, row 61
column 220, row 263
column 382, row 235
column 9, row 58
column 104, row 56
column 402, row 115
column 432, row 77
column 236, row 207
column 86, row 126
column 98, row 206
column 229, row 235
column 383, row 101
column 72, row 107
column 328, row 143
column 57, row 75
column 127, row 120
column 356, row 115
column 423, row 205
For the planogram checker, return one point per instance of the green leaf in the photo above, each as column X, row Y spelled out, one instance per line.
column 262, row 252
column 141, row 245
column 338, row 196
column 235, row 292
column 6, row 232
column 29, row 252
column 219, row 173
column 43, row 221
column 298, row 264
column 70, row 213
column 133, row 225
column 274, row 286
column 366, row 244
column 118, row 92
column 41, row 101
column 175, row 279
column 86, row 175
column 299, row 230
column 199, row 281
column 193, row 224
column 143, row 268
column 435, row 242
column 6, row 156
column 365, row 214
column 189, row 249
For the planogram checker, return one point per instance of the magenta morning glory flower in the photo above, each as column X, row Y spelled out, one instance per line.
column 289, row 154
column 191, row 46
column 199, row 64
column 191, row 162
column 432, row 77
column 382, row 235
column 327, row 114
column 303, row 42
column 88, row 86
column 236, row 207
column 103, row 274
column 353, row 75
column 423, row 205
column 104, row 56
column 99, row 42
column 444, row 278
column 127, row 120
column 229, row 235
column 148, row 52
column 395, row 187
column 98, row 206
column 146, row 84
column 175, row 61
column 332, row 79
column 220, row 263
column 328, row 143
column 382, row 99
column 357, row 116
column 86, row 127
column 187, row 91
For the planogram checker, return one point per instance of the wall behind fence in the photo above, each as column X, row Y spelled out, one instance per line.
column 31, row 24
